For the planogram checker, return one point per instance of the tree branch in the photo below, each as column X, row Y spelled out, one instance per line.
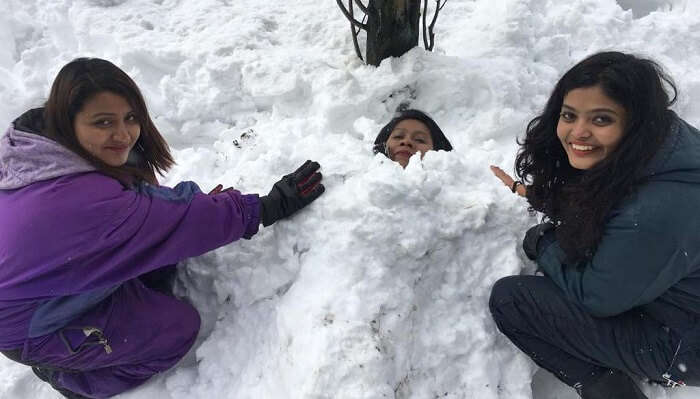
column 354, row 33
column 438, row 7
column 361, row 6
column 349, row 16
column 425, row 32
column 364, row 19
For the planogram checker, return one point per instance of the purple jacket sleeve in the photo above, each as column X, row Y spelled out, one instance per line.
column 81, row 232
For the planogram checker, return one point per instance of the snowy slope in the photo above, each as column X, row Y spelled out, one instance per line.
column 380, row 288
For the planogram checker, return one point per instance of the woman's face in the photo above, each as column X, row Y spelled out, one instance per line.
column 408, row 137
column 107, row 127
column 590, row 126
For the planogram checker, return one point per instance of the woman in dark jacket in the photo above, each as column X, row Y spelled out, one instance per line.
column 408, row 132
column 616, row 175
column 87, row 231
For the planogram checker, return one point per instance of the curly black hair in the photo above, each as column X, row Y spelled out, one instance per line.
column 580, row 201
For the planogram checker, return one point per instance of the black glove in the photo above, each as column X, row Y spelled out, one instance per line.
column 533, row 237
column 293, row 192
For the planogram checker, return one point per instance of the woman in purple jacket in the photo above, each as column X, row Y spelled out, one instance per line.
column 88, row 234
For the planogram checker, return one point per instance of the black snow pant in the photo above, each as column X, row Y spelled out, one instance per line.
column 561, row 337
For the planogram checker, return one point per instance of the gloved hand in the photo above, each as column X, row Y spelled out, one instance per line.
column 533, row 237
column 293, row 192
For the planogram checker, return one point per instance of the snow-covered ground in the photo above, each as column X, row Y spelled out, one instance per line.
column 380, row 288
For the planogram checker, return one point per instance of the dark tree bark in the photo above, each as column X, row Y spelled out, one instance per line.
column 392, row 28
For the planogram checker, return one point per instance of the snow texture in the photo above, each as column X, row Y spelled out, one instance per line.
column 379, row 289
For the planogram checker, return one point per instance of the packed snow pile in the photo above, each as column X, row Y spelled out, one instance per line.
column 380, row 288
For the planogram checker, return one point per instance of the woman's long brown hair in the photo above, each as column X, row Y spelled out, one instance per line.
column 80, row 80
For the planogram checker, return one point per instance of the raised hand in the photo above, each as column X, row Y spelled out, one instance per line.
column 219, row 189
column 515, row 186
column 293, row 192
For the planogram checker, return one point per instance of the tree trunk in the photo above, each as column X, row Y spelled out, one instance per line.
column 392, row 28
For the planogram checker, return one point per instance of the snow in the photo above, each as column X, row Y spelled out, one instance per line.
column 379, row 288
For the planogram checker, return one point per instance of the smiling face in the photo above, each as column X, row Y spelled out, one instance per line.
column 107, row 127
column 590, row 126
column 408, row 137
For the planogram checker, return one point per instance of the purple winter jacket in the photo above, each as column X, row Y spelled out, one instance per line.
column 70, row 236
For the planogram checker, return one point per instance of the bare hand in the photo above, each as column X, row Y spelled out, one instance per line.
column 219, row 189
column 508, row 181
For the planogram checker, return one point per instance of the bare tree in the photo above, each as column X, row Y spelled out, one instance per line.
column 392, row 26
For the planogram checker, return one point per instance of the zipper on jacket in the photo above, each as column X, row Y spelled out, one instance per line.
column 101, row 339
column 667, row 375
column 95, row 332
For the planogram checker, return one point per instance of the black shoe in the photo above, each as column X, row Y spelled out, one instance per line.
column 48, row 375
column 614, row 384
column 43, row 374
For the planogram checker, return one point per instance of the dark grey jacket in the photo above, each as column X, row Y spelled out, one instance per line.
column 649, row 255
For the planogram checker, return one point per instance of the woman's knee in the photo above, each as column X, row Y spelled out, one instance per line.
column 504, row 290
column 176, row 339
column 189, row 322
column 502, row 294
column 517, row 299
column 177, row 331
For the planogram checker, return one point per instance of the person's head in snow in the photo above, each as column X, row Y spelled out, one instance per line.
column 409, row 132
column 616, row 175
column 89, row 239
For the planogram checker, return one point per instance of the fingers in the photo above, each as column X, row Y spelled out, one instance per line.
column 503, row 176
column 302, row 167
column 314, row 193
column 216, row 189
column 520, row 188
column 309, row 181
column 307, row 177
column 309, row 184
column 219, row 189
column 306, row 170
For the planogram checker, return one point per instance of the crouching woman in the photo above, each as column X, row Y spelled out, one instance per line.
column 87, row 235
column 617, row 176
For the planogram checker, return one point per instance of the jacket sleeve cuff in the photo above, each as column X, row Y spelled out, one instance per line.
column 545, row 241
column 252, row 210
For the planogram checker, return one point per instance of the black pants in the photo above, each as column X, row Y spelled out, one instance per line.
column 561, row 337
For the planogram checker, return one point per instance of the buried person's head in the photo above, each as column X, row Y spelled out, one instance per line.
column 409, row 132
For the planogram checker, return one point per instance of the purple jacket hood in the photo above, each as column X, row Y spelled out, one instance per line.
column 27, row 157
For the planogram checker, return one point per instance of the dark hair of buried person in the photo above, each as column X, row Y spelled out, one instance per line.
column 579, row 201
column 440, row 142
column 76, row 83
